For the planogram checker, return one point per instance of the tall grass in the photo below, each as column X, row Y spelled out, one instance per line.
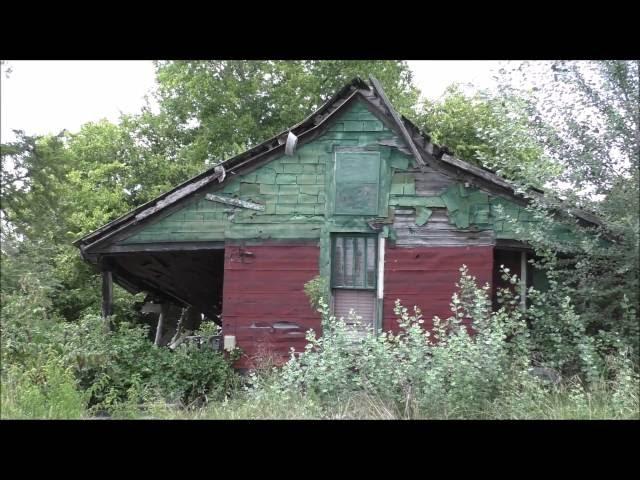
column 49, row 392
column 565, row 402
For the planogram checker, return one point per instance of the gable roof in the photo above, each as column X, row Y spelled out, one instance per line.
column 416, row 142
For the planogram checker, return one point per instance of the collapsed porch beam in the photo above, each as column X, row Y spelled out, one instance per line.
column 164, row 247
column 164, row 310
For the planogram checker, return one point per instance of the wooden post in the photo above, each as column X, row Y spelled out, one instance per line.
column 176, row 336
column 164, row 309
column 107, row 298
column 523, row 280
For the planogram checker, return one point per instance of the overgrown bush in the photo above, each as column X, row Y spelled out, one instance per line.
column 450, row 370
column 614, row 395
column 117, row 365
column 469, row 366
column 474, row 364
column 121, row 367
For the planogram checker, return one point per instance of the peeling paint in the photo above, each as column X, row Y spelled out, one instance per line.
column 422, row 215
column 234, row 201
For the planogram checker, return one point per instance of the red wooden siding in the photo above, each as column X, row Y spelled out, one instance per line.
column 426, row 277
column 264, row 303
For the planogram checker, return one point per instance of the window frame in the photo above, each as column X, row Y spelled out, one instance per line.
column 373, row 237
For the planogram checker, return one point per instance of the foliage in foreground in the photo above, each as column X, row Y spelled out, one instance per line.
column 113, row 372
column 49, row 391
column 456, row 370
column 474, row 365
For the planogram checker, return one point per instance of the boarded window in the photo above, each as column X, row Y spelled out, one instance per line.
column 357, row 179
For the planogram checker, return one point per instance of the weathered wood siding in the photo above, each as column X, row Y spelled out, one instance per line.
column 429, row 183
column 426, row 277
column 264, row 304
column 437, row 232
column 433, row 224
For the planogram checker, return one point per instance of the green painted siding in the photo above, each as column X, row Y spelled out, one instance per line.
column 297, row 192
column 299, row 195
column 469, row 209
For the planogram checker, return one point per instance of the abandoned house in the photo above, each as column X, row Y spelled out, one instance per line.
column 354, row 193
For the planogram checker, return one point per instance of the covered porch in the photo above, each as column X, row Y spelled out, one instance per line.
column 184, row 283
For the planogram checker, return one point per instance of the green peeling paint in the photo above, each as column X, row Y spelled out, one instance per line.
column 297, row 191
column 298, row 194
column 422, row 215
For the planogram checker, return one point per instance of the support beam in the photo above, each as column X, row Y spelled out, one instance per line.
column 107, row 297
column 164, row 310
column 236, row 202
column 523, row 280
column 403, row 130
column 381, row 246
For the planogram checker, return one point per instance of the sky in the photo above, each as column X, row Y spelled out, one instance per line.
column 45, row 97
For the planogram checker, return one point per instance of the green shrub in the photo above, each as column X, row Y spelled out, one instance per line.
column 121, row 369
column 195, row 375
column 316, row 289
column 123, row 365
column 474, row 364
column 48, row 392
column 447, row 372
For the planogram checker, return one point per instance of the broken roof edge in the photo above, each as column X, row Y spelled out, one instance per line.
column 209, row 175
column 427, row 154
column 405, row 134
column 445, row 155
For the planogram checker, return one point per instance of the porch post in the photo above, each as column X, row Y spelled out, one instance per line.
column 523, row 280
column 107, row 297
column 164, row 308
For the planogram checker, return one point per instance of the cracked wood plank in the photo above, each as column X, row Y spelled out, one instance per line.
column 236, row 202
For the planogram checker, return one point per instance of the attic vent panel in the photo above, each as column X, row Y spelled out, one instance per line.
column 357, row 183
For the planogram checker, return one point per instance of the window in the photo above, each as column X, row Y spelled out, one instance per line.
column 354, row 261
column 354, row 276
column 357, row 179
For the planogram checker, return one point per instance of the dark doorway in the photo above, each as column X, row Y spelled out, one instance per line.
column 514, row 260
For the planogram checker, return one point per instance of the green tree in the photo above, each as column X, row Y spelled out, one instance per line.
column 33, row 173
column 591, row 113
column 212, row 110
column 490, row 130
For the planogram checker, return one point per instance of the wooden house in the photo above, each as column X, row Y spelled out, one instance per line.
column 354, row 193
